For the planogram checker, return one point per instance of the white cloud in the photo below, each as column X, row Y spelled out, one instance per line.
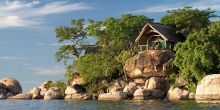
column 56, row 70
column 18, row 5
column 16, row 21
column 27, row 14
column 12, row 58
column 200, row 4
column 59, row 7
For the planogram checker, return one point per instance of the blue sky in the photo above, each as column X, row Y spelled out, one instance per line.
column 27, row 37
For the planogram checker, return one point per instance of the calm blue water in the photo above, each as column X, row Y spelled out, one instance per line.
column 103, row 105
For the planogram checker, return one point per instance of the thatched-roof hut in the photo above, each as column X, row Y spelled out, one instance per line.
column 157, row 36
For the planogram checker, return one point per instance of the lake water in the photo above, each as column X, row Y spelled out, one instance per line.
column 103, row 105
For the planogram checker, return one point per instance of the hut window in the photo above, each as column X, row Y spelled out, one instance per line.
column 162, row 44
column 169, row 45
column 153, row 44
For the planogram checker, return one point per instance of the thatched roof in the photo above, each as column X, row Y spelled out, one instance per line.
column 166, row 32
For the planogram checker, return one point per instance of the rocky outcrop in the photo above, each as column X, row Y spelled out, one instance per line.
column 45, row 84
column 178, row 94
column 3, row 91
column 130, row 88
column 208, row 89
column 154, row 88
column 84, row 96
column 116, row 85
column 155, row 83
column 141, row 94
column 9, row 87
column 35, row 93
column 12, row 85
column 118, row 95
column 192, row 96
column 39, row 92
column 181, row 83
column 78, row 80
column 21, row 96
column 75, row 92
column 140, row 81
column 73, row 89
column 149, row 63
column 53, row 93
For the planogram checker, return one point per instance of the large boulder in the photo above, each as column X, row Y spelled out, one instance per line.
column 141, row 94
column 73, row 89
column 140, row 81
column 130, row 88
column 157, row 94
column 12, row 85
column 177, row 94
column 3, row 91
column 149, row 63
column 43, row 91
column 118, row 95
column 208, row 88
column 21, row 96
column 53, row 93
column 84, row 96
column 116, row 86
column 192, row 95
column 155, row 83
column 35, row 92
column 78, row 80
column 45, row 84
column 181, row 83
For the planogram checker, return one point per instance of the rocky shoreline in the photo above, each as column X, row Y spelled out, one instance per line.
column 147, row 79
column 153, row 88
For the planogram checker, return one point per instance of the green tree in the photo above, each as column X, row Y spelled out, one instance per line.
column 199, row 55
column 95, row 67
column 188, row 19
column 118, row 32
column 116, row 36
column 61, row 84
column 74, row 39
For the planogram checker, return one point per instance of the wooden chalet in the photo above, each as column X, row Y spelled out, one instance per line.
column 155, row 36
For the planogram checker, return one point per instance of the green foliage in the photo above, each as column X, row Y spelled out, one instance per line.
column 116, row 37
column 120, row 32
column 95, row 67
column 60, row 84
column 199, row 55
column 187, row 19
column 94, row 87
column 123, row 56
column 70, row 72
column 173, row 76
column 74, row 36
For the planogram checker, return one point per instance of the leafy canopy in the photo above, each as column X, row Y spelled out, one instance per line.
column 188, row 19
column 118, row 32
column 199, row 55
column 74, row 37
column 116, row 36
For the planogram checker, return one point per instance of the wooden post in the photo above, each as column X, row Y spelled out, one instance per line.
column 165, row 44
column 147, row 45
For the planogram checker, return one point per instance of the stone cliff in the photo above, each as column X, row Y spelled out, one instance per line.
column 149, row 63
